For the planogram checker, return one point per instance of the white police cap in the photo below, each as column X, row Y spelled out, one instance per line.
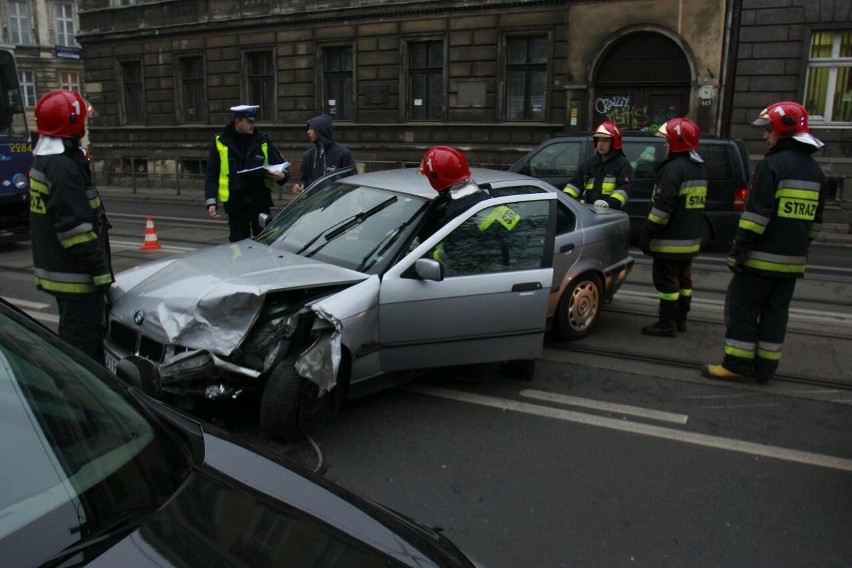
column 245, row 110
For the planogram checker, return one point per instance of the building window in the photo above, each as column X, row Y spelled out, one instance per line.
column 526, row 78
column 28, row 88
column 339, row 84
column 260, row 82
column 63, row 14
column 193, row 107
column 426, row 80
column 19, row 23
column 828, row 95
column 69, row 80
column 132, row 92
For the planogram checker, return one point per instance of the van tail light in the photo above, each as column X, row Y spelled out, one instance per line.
column 740, row 196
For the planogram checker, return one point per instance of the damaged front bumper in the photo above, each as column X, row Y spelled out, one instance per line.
column 200, row 373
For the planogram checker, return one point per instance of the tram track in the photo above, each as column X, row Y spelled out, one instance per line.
column 658, row 359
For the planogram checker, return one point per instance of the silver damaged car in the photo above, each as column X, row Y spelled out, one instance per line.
column 358, row 279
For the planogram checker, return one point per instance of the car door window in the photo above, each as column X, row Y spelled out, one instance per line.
column 497, row 239
column 558, row 159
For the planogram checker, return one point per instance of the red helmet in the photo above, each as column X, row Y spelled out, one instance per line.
column 682, row 134
column 444, row 166
column 788, row 120
column 608, row 129
column 61, row 113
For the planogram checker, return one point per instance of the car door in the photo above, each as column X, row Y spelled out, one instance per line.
column 486, row 306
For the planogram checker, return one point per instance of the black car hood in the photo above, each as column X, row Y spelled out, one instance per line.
column 243, row 509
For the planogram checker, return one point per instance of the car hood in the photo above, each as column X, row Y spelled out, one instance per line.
column 243, row 509
column 209, row 299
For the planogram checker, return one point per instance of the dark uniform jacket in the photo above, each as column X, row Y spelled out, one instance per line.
column 608, row 180
column 783, row 213
column 333, row 156
column 245, row 151
column 69, row 226
column 677, row 206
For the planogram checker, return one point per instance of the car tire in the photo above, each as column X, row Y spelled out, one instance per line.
column 579, row 307
column 279, row 404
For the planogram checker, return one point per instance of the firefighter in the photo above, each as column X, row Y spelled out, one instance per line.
column 672, row 233
column 449, row 175
column 71, row 255
column 783, row 214
column 604, row 179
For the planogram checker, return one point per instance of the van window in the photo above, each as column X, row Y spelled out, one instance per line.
column 643, row 156
column 717, row 158
column 557, row 159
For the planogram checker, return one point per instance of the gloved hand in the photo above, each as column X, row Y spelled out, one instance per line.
column 645, row 243
column 736, row 258
column 601, row 203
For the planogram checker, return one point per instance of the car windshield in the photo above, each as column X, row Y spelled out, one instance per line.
column 78, row 456
column 348, row 225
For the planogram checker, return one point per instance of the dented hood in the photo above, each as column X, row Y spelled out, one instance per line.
column 210, row 298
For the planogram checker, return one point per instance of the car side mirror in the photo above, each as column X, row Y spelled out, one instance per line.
column 139, row 372
column 429, row 269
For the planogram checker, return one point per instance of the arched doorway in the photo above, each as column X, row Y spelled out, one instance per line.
column 642, row 80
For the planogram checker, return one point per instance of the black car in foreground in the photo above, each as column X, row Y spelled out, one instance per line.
column 558, row 159
column 95, row 472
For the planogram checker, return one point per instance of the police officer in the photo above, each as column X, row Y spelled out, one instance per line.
column 247, row 197
column 605, row 177
column 71, row 255
column 672, row 233
column 782, row 216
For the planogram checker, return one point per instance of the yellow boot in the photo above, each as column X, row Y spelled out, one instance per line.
column 721, row 373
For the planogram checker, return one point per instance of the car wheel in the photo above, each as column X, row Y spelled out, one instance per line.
column 279, row 404
column 579, row 307
column 314, row 410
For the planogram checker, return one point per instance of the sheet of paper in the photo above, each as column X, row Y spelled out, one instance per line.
column 274, row 168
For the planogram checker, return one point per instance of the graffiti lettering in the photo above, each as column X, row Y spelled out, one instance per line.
column 637, row 118
column 605, row 104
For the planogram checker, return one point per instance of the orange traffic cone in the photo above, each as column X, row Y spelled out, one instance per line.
column 151, row 240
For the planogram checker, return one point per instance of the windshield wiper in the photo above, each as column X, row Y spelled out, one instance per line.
column 340, row 228
column 123, row 523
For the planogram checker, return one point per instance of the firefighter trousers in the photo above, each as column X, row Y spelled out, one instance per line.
column 756, row 312
column 81, row 322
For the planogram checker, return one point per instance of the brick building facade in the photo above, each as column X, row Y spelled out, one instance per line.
column 491, row 77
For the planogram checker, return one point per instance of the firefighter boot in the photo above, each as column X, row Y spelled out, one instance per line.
column 683, row 304
column 666, row 326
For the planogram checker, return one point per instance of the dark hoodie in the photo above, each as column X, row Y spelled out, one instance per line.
column 321, row 159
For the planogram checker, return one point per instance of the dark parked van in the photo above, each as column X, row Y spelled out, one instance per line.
column 557, row 160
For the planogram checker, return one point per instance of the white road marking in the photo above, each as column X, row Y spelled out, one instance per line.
column 135, row 245
column 606, row 406
column 24, row 304
column 705, row 440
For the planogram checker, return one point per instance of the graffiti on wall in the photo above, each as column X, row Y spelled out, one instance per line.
column 619, row 110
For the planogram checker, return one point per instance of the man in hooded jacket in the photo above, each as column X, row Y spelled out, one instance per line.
column 324, row 156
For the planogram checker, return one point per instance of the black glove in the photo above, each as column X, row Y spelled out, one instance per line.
column 736, row 258
column 645, row 243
